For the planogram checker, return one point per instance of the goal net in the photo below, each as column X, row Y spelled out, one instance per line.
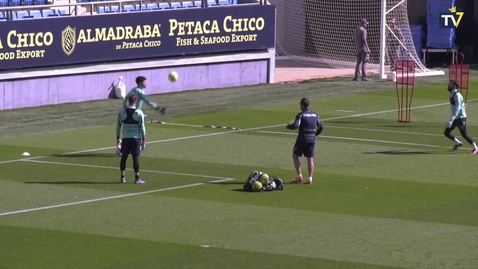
column 321, row 33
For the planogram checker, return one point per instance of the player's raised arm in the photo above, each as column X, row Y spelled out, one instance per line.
column 145, row 99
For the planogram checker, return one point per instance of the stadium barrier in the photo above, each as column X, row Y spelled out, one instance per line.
column 76, row 58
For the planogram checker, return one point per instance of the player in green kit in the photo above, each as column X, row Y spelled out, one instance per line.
column 458, row 117
column 138, row 91
column 131, row 121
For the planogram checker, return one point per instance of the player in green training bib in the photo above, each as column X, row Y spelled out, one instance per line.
column 138, row 91
column 458, row 117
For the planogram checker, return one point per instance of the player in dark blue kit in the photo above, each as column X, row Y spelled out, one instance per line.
column 310, row 126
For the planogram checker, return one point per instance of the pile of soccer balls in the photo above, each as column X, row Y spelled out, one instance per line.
column 258, row 184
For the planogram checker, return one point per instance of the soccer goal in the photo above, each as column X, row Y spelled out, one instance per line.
column 321, row 33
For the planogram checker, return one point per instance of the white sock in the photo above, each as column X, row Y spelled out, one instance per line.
column 299, row 176
column 310, row 178
column 474, row 145
column 457, row 141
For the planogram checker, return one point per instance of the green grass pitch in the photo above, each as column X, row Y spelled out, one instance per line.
column 385, row 194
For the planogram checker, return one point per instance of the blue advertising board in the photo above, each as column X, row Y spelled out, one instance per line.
column 135, row 35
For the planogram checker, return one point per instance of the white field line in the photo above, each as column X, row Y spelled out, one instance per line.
column 110, row 197
column 150, row 142
column 192, row 137
column 366, row 140
column 389, row 111
column 227, row 132
column 384, row 131
column 328, row 119
column 116, row 168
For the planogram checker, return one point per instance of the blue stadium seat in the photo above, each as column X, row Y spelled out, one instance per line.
column 40, row 2
column 176, row 5
column 189, row 4
column 233, row 2
column 2, row 17
column 114, row 9
column 102, row 10
column 164, row 6
column 152, row 6
column 128, row 8
column 35, row 13
column 144, row 7
column 224, row 2
column 197, row 3
column 22, row 15
column 28, row 2
column 15, row 3
column 49, row 13
column 3, row 3
column 63, row 12
column 211, row 3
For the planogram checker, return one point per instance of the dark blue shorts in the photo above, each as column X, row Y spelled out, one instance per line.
column 131, row 146
column 306, row 149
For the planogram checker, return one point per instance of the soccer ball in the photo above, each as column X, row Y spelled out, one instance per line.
column 264, row 179
column 256, row 186
column 173, row 76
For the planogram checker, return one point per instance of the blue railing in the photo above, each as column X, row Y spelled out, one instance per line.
column 35, row 9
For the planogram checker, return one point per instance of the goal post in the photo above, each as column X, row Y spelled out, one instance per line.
column 321, row 33
column 396, row 38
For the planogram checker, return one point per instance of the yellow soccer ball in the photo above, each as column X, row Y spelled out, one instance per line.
column 256, row 186
column 173, row 76
column 264, row 179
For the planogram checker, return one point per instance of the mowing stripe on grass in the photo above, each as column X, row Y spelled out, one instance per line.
column 231, row 131
column 388, row 111
column 117, row 168
column 111, row 197
column 383, row 131
column 366, row 140
column 150, row 142
column 327, row 119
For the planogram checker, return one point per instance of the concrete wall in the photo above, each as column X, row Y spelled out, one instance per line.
column 87, row 86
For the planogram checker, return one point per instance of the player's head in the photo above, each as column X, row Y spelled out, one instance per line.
column 304, row 103
column 364, row 23
column 132, row 100
column 453, row 84
column 141, row 82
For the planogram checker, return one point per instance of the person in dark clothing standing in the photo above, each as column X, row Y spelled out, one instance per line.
column 310, row 126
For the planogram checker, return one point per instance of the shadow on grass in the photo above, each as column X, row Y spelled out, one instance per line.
column 241, row 190
column 343, row 122
column 72, row 182
column 404, row 152
column 226, row 183
column 398, row 126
